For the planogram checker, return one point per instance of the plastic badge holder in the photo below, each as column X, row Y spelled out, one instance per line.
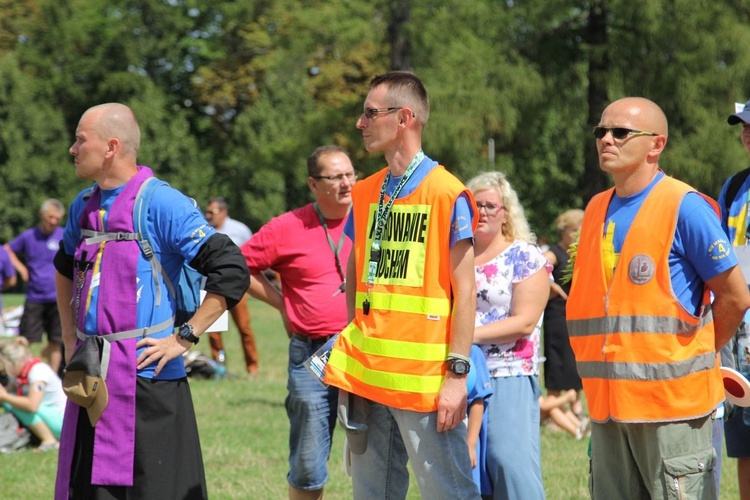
column 318, row 361
column 736, row 386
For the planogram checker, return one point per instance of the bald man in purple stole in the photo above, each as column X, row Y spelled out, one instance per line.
column 145, row 443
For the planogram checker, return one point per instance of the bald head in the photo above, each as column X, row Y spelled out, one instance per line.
column 116, row 121
column 630, row 138
column 639, row 114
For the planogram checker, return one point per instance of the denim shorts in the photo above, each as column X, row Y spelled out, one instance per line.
column 311, row 409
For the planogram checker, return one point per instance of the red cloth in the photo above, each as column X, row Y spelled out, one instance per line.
column 294, row 245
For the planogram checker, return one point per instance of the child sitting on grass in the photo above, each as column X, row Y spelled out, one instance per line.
column 38, row 401
column 553, row 408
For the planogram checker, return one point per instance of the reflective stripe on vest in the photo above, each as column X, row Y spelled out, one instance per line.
column 418, row 382
column 636, row 324
column 646, row 371
column 407, row 303
column 395, row 348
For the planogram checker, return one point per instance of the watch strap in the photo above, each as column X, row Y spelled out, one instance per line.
column 186, row 332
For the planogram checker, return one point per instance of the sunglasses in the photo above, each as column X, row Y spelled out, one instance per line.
column 619, row 133
column 371, row 113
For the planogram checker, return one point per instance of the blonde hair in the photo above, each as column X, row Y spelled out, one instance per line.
column 16, row 350
column 569, row 218
column 516, row 227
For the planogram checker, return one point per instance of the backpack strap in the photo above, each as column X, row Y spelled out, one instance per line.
column 131, row 334
column 93, row 237
column 140, row 225
column 734, row 187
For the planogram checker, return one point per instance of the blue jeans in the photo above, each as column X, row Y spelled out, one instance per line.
column 311, row 409
column 513, row 448
column 439, row 460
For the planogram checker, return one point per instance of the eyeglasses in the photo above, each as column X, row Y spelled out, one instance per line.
column 619, row 133
column 213, row 212
column 371, row 113
column 350, row 176
column 489, row 208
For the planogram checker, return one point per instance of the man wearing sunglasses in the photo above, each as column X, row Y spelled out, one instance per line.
column 734, row 203
column 411, row 296
column 642, row 326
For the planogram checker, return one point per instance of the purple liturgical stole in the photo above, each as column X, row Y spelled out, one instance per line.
column 116, row 311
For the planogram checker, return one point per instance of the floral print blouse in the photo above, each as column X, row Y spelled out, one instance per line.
column 495, row 281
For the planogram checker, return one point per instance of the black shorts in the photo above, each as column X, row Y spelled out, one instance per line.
column 40, row 317
column 168, row 461
column 737, row 435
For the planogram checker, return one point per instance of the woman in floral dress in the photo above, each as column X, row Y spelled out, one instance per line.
column 513, row 283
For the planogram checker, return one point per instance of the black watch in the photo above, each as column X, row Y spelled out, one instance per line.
column 458, row 366
column 186, row 332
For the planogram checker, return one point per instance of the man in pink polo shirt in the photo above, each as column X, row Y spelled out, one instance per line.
column 308, row 249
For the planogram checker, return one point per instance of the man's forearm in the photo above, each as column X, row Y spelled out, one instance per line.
column 462, row 325
column 16, row 263
column 67, row 314
column 731, row 300
column 262, row 289
column 727, row 318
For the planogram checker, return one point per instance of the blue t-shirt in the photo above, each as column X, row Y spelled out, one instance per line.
column 178, row 230
column 700, row 250
column 461, row 217
column 735, row 219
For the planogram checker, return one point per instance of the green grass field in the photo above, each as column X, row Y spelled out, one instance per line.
column 244, row 432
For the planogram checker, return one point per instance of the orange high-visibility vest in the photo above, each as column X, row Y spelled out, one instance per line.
column 396, row 354
column 641, row 356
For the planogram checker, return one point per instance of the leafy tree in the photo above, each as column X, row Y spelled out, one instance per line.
column 33, row 150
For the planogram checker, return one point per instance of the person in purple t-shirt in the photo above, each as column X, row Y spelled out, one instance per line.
column 7, row 277
column 38, row 247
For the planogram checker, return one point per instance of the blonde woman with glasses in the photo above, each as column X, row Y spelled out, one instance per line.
column 513, row 284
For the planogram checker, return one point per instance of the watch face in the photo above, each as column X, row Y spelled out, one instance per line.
column 459, row 367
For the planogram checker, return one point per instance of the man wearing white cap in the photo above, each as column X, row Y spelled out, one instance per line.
column 734, row 203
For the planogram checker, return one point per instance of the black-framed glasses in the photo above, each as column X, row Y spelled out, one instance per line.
column 619, row 133
column 213, row 212
column 489, row 208
column 350, row 176
column 371, row 113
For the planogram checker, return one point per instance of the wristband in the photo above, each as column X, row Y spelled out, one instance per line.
column 458, row 356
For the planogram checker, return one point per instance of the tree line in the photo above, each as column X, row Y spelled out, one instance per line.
column 232, row 96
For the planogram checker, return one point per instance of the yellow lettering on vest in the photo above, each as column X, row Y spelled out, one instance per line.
column 403, row 245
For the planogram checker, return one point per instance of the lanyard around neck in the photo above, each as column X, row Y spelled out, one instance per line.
column 336, row 249
column 381, row 216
